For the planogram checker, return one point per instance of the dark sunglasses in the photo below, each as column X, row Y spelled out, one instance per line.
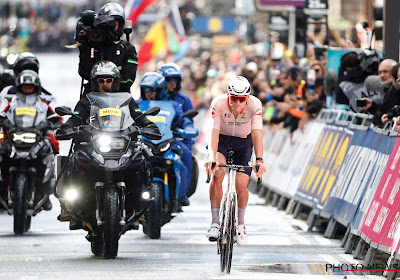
column 150, row 89
column 241, row 99
column 171, row 80
column 105, row 80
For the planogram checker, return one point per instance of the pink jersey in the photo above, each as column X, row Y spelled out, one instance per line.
column 250, row 118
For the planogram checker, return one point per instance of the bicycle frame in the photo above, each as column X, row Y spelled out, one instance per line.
column 228, row 216
column 229, row 194
column 228, row 219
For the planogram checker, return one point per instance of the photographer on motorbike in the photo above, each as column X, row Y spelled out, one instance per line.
column 99, row 38
column 153, row 87
column 28, row 90
column 27, row 61
column 105, row 77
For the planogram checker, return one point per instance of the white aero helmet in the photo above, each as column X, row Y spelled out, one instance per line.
column 239, row 86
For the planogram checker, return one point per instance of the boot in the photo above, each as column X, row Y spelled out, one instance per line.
column 47, row 205
column 64, row 216
column 185, row 201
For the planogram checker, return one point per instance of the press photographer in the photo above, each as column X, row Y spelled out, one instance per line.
column 99, row 38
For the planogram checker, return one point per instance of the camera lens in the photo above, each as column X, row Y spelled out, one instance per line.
column 96, row 35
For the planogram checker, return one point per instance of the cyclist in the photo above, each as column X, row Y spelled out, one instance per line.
column 237, row 126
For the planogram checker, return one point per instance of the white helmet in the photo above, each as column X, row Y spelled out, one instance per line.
column 239, row 86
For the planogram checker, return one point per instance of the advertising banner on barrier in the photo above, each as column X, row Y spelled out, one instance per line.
column 324, row 165
column 301, row 154
column 275, row 142
column 382, row 221
column 384, row 150
column 351, row 182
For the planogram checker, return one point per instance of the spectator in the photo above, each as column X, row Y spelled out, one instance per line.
column 384, row 73
column 391, row 99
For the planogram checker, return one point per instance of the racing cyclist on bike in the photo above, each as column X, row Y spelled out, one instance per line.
column 237, row 126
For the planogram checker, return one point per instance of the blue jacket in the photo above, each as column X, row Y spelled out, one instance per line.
column 183, row 100
column 178, row 119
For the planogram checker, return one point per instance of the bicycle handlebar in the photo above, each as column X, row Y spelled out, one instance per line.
column 234, row 167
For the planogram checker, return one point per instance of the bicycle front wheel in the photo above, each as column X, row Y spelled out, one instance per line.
column 221, row 243
column 230, row 234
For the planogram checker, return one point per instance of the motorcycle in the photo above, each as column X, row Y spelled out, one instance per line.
column 26, row 160
column 166, row 166
column 110, row 155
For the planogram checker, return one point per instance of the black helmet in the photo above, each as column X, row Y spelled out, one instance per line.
column 28, row 77
column 24, row 61
column 115, row 10
column 105, row 69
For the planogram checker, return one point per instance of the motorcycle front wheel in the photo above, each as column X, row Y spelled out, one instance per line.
column 154, row 216
column 111, row 223
column 20, row 202
column 195, row 178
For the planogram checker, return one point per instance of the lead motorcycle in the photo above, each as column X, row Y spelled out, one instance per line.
column 166, row 166
column 26, row 160
column 105, row 182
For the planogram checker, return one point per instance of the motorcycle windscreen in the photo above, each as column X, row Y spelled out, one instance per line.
column 22, row 114
column 110, row 111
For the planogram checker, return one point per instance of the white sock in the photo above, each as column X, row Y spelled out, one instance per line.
column 215, row 215
column 241, row 213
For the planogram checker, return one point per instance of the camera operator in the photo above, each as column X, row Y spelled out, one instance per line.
column 99, row 38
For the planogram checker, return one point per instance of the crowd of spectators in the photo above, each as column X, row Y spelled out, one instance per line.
column 293, row 89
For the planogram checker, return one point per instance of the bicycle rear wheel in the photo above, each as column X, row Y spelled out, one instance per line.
column 230, row 234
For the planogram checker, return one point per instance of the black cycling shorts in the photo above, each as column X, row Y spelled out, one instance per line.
column 240, row 148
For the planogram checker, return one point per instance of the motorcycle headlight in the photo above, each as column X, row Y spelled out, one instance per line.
column 24, row 137
column 165, row 147
column 146, row 195
column 106, row 143
column 71, row 194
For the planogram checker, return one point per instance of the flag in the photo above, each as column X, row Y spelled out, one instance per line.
column 160, row 39
column 165, row 37
column 134, row 8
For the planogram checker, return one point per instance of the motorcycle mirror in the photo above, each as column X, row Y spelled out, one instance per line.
column 149, row 133
column 190, row 114
column 152, row 111
column 63, row 111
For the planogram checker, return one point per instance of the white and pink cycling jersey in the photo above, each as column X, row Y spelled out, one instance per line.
column 250, row 118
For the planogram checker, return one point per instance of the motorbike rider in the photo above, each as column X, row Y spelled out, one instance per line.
column 106, row 44
column 105, row 77
column 153, row 87
column 28, row 89
column 27, row 61
column 173, row 77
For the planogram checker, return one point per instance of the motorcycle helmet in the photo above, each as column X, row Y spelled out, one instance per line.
column 239, row 86
column 28, row 77
column 155, row 81
column 24, row 61
column 115, row 10
column 171, row 71
column 105, row 69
